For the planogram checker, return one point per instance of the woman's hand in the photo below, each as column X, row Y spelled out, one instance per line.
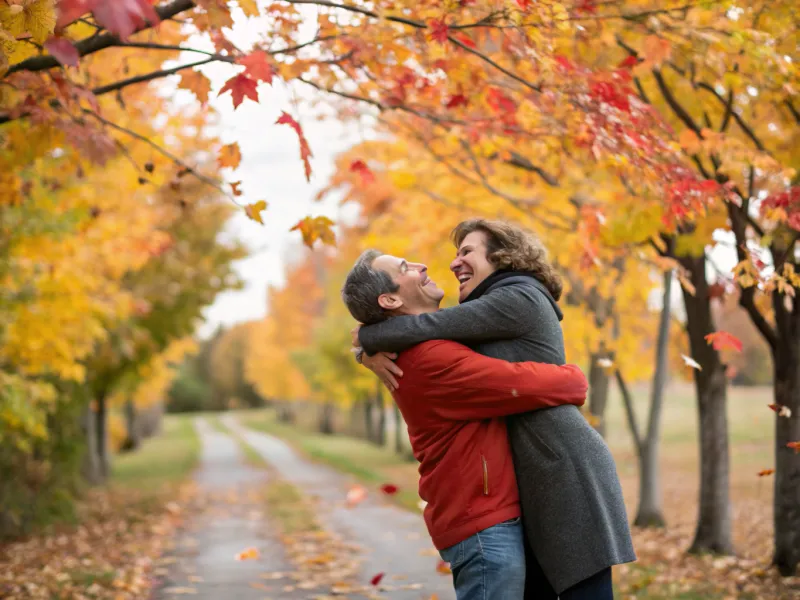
column 383, row 365
column 354, row 335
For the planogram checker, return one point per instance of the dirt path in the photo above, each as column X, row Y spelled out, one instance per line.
column 394, row 541
column 202, row 564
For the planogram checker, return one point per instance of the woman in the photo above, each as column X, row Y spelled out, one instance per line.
column 575, row 520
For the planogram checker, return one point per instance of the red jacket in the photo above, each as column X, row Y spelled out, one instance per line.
column 452, row 399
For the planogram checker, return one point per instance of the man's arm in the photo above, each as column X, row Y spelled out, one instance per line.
column 505, row 313
column 460, row 384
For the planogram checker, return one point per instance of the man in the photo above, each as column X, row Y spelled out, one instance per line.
column 453, row 400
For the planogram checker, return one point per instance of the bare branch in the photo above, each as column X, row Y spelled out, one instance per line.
column 630, row 412
column 99, row 91
column 736, row 117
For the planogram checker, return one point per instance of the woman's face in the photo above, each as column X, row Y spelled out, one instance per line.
column 471, row 265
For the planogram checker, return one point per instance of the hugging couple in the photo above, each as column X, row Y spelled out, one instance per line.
column 523, row 498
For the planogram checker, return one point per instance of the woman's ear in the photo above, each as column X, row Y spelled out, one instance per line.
column 389, row 302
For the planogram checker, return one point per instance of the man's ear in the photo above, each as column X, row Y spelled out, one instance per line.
column 389, row 302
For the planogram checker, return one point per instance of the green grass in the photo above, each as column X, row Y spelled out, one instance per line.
column 165, row 459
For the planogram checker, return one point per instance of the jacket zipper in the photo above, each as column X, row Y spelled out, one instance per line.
column 485, row 476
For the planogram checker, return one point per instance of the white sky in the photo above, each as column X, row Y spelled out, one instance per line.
column 270, row 170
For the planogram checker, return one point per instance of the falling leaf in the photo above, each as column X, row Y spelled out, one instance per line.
column 254, row 210
column 235, row 188
column 377, row 579
column 794, row 446
column 257, row 66
column 305, row 151
column 389, row 489
column 240, row 86
column 690, row 362
column 316, row 228
column 766, row 472
column 722, row 340
column 63, row 51
column 230, row 156
column 783, row 411
column 248, row 554
column 443, row 568
column 355, row 495
column 197, row 83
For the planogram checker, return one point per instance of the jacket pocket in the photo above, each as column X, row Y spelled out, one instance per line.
column 485, row 473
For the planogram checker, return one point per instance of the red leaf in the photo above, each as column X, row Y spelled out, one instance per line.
column 464, row 40
column 305, row 151
column 721, row 340
column 794, row 220
column 499, row 101
column 524, row 4
column 70, row 10
column 456, row 101
column 257, row 66
column 439, row 30
column 716, row 290
column 63, row 51
column 564, row 63
column 377, row 579
column 794, row 446
column 360, row 167
column 389, row 489
column 123, row 17
column 629, row 62
column 240, row 86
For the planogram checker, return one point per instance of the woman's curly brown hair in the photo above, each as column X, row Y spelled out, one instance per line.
column 512, row 247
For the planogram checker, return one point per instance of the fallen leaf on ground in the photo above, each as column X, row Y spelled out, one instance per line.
column 248, row 554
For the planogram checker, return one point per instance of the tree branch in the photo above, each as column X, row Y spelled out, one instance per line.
column 630, row 412
column 519, row 161
column 676, row 107
column 163, row 151
column 105, row 89
column 489, row 61
column 95, row 43
column 732, row 113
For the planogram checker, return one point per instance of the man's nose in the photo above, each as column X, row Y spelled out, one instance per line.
column 419, row 267
column 456, row 263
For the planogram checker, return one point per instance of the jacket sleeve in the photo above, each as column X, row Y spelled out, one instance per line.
column 460, row 384
column 505, row 313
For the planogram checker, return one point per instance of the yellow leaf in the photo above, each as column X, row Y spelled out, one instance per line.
column 230, row 156
column 254, row 210
column 38, row 19
column 249, row 7
column 248, row 554
column 197, row 83
column 689, row 141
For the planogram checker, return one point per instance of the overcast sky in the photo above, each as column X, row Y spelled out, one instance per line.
column 270, row 170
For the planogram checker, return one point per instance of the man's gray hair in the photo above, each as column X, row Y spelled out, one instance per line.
column 363, row 286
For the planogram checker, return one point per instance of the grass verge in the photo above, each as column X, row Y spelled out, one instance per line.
column 166, row 459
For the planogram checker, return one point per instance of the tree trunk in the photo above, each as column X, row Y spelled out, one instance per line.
column 381, row 438
column 398, row 429
column 713, row 533
column 133, row 439
column 285, row 413
column 101, row 433
column 326, row 419
column 598, row 387
column 786, row 358
column 369, row 422
column 90, row 468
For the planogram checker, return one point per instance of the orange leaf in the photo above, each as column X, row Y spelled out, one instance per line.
column 254, row 210
column 240, row 86
column 229, row 156
column 443, row 568
column 197, row 83
column 721, row 340
column 766, row 472
column 235, row 188
column 656, row 49
column 305, row 151
column 356, row 495
column 257, row 66
column 248, row 554
column 794, row 446
column 689, row 141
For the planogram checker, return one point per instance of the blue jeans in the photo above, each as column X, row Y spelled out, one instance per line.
column 489, row 565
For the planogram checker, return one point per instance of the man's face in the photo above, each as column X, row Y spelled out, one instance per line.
column 416, row 294
column 471, row 265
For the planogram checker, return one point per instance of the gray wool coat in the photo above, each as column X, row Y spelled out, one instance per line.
column 573, row 512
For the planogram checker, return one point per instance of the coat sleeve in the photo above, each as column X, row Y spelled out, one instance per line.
column 457, row 383
column 505, row 313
